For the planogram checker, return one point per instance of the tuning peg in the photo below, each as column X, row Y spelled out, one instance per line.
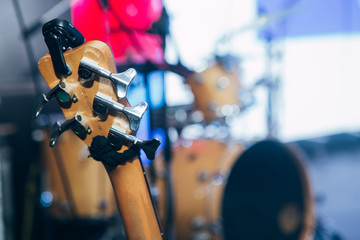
column 62, row 92
column 103, row 103
column 78, row 124
column 88, row 68
column 116, row 138
column 60, row 36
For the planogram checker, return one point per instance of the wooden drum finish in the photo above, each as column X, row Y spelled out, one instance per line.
column 221, row 191
column 216, row 92
column 198, row 175
column 80, row 185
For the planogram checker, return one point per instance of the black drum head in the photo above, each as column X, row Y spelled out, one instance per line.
column 266, row 195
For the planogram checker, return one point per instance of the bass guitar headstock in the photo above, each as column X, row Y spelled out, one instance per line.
column 91, row 94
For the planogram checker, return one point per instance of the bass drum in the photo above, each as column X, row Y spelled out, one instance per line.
column 78, row 186
column 221, row 191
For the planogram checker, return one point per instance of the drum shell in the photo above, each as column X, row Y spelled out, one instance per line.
column 80, row 185
column 214, row 88
column 194, row 167
column 199, row 173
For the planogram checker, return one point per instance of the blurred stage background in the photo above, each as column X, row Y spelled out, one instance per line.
column 306, row 51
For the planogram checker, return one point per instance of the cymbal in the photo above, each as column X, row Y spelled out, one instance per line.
column 259, row 23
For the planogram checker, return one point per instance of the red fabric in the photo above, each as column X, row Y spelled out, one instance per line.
column 122, row 25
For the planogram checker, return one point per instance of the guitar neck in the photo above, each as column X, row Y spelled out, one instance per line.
column 134, row 201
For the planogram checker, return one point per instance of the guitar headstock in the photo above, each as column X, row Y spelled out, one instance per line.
column 92, row 97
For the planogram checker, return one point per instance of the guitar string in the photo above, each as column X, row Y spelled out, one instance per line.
column 152, row 201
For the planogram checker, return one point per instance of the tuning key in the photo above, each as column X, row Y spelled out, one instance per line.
column 78, row 124
column 60, row 36
column 117, row 137
column 88, row 68
column 62, row 92
column 102, row 105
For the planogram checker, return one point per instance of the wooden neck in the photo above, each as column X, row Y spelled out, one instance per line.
column 134, row 201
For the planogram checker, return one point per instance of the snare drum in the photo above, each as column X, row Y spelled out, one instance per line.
column 216, row 91
column 221, row 191
column 76, row 186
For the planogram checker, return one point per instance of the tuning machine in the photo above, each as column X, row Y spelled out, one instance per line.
column 88, row 68
column 117, row 138
column 60, row 36
column 102, row 104
column 62, row 92
column 78, row 124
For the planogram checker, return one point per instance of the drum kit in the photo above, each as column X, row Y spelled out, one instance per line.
column 212, row 188
column 222, row 188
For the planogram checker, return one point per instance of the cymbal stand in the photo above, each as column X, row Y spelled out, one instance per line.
column 272, row 83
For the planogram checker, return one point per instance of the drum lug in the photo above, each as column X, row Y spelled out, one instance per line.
column 203, row 175
column 223, row 82
column 198, row 78
column 103, row 204
column 202, row 236
column 198, row 222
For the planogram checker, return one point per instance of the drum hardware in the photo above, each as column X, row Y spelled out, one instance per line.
column 229, row 62
column 198, row 222
column 198, row 79
column 272, row 84
column 219, row 179
column 205, row 230
column 202, row 175
column 191, row 132
column 213, row 106
column 202, row 235
column 247, row 98
column 228, row 110
column 259, row 23
column 103, row 204
column 216, row 130
column 223, row 82
column 197, row 116
column 180, row 115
